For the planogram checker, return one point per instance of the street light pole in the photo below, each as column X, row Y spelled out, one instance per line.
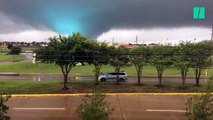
column 136, row 39
column 113, row 40
column 212, row 36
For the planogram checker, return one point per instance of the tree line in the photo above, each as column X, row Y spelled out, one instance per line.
column 67, row 51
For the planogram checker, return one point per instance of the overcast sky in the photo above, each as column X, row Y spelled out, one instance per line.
column 152, row 20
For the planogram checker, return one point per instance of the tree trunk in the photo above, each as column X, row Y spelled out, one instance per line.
column 183, row 82
column 139, row 79
column 183, row 75
column 65, row 82
column 96, row 79
column 197, row 76
column 139, row 72
column 160, row 74
column 117, row 75
column 197, row 81
column 97, row 73
column 65, row 70
column 160, row 80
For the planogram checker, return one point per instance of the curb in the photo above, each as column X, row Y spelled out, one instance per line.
column 107, row 94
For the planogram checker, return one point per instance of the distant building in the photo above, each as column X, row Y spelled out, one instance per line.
column 137, row 45
column 112, row 44
column 24, row 44
column 129, row 46
column 152, row 44
column 3, row 47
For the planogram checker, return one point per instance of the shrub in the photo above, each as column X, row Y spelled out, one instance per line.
column 15, row 51
column 200, row 107
column 4, row 108
column 9, row 46
column 94, row 107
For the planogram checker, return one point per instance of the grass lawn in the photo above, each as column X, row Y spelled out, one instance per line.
column 4, row 57
column 28, row 67
column 28, row 48
column 27, row 86
column 54, row 86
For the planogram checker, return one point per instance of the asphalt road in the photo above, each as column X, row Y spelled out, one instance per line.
column 126, row 108
column 29, row 56
column 41, row 77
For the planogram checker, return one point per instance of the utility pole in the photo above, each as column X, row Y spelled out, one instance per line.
column 212, row 36
column 113, row 40
column 136, row 39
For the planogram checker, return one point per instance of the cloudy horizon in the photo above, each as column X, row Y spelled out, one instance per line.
column 152, row 21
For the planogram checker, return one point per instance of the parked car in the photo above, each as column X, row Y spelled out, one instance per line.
column 111, row 76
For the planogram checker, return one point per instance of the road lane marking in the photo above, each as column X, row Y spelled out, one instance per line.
column 155, row 110
column 39, row 108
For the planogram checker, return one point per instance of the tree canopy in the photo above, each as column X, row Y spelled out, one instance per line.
column 119, row 58
column 162, row 59
column 139, row 58
column 65, row 52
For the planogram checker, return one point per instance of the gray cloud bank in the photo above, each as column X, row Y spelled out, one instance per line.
column 97, row 16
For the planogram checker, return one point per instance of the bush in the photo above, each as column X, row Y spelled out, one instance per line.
column 4, row 108
column 200, row 107
column 9, row 46
column 15, row 51
column 94, row 107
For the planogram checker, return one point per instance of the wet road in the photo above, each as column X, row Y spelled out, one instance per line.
column 29, row 56
column 136, row 107
column 41, row 77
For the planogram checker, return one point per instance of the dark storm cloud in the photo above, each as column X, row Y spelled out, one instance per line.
column 93, row 17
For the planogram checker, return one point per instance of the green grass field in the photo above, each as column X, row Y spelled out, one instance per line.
column 28, row 67
column 28, row 48
column 27, row 86
column 4, row 57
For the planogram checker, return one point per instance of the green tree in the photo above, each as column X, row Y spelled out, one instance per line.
column 182, row 59
column 118, row 58
column 139, row 58
column 100, row 56
column 201, row 58
column 162, row 59
column 65, row 52
column 94, row 107
column 9, row 46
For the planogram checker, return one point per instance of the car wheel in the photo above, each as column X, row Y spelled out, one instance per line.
column 121, row 80
column 103, row 79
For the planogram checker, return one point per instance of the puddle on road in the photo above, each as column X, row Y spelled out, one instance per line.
column 41, row 78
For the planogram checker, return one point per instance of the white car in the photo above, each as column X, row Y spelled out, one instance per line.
column 111, row 76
